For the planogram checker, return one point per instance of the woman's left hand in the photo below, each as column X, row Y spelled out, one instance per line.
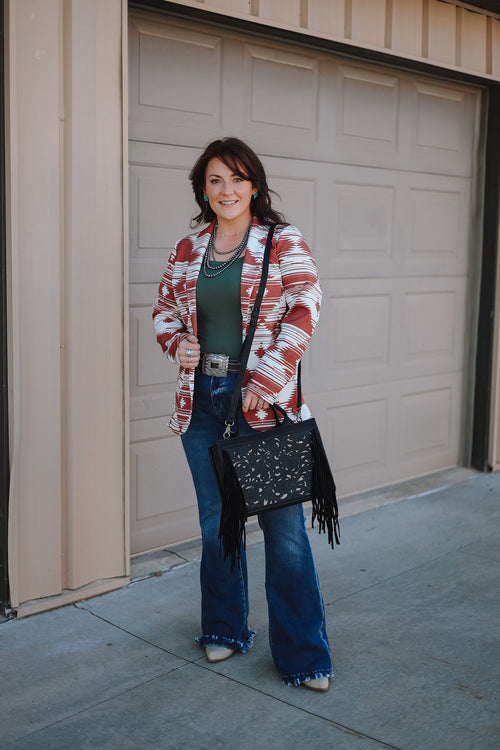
column 252, row 401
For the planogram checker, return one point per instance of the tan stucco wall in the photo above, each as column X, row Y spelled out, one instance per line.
column 68, row 511
column 452, row 35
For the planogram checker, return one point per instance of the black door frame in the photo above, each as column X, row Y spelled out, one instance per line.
column 489, row 261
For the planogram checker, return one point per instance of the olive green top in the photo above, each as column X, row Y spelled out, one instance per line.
column 218, row 305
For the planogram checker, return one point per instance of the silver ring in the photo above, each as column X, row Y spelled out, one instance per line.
column 189, row 353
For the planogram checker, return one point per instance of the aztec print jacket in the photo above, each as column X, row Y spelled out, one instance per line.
column 288, row 316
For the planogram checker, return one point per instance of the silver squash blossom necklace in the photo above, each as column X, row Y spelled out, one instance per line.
column 209, row 270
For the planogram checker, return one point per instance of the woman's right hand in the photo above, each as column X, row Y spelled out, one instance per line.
column 188, row 352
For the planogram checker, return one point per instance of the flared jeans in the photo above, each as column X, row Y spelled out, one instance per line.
column 297, row 632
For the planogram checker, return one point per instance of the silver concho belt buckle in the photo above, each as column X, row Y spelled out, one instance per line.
column 215, row 365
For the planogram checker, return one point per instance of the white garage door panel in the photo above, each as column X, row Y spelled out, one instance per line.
column 187, row 85
column 377, row 435
column 375, row 167
column 433, row 337
column 296, row 74
column 162, row 499
column 154, row 230
column 376, row 222
column 297, row 198
column 158, row 472
column 391, row 223
column 386, row 330
column 152, row 378
column 368, row 111
column 161, row 57
column 402, row 122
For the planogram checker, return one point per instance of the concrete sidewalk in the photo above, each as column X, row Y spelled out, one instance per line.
column 413, row 615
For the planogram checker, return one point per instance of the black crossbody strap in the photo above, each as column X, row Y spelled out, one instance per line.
column 247, row 344
column 299, row 388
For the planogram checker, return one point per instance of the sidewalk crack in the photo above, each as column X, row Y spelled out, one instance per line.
column 392, row 577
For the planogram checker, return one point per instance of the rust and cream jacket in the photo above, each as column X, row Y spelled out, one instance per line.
column 288, row 316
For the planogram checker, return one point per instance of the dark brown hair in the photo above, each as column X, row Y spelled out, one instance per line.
column 244, row 162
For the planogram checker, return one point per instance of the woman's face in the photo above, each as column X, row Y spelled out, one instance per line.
column 229, row 195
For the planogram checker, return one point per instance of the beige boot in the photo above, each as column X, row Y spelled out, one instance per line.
column 320, row 684
column 218, row 653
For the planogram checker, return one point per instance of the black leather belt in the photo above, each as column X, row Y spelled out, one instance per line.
column 218, row 365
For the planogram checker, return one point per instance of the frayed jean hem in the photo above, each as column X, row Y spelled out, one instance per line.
column 219, row 640
column 297, row 679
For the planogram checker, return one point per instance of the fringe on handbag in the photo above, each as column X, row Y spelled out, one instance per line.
column 271, row 468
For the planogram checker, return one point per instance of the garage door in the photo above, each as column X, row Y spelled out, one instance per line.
column 376, row 167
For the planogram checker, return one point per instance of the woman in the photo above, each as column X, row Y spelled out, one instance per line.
column 203, row 310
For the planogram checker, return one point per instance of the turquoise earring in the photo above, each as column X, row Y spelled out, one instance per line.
column 255, row 194
column 205, row 198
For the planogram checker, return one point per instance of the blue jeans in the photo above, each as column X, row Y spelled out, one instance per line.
column 297, row 632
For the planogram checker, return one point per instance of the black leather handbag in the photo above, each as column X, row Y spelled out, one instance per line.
column 273, row 468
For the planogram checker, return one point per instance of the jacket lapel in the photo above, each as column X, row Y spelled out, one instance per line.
column 251, row 271
column 199, row 247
